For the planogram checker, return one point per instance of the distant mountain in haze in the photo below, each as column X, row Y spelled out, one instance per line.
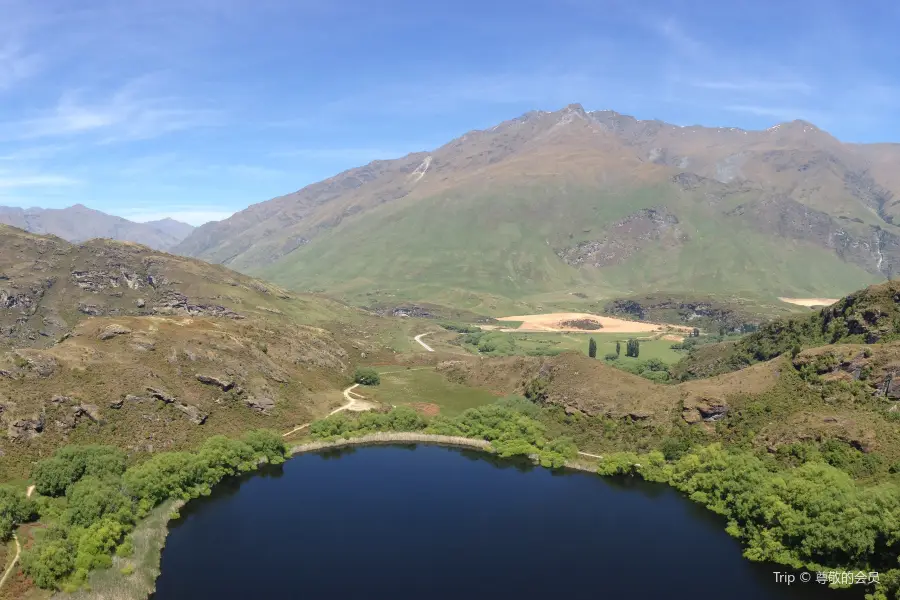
column 588, row 201
column 79, row 223
column 174, row 228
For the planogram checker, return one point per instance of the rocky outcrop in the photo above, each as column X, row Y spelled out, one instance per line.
column 25, row 428
column 161, row 394
column 143, row 344
column 113, row 330
column 174, row 303
column 875, row 249
column 98, row 280
column 37, row 363
column 193, row 413
column 625, row 238
column 91, row 310
column 223, row 384
column 78, row 414
column 25, row 302
column 260, row 404
column 889, row 387
column 92, row 411
column 703, row 408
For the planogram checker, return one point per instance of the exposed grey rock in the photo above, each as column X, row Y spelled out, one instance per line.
column 26, row 429
column 60, row 399
column 143, row 345
column 117, row 403
column 40, row 364
column 892, row 387
column 626, row 237
column 192, row 412
column 111, row 331
column 261, row 405
column 173, row 303
column 713, row 412
column 90, row 309
column 161, row 395
column 140, row 302
column 223, row 384
column 92, row 411
column 133, row 398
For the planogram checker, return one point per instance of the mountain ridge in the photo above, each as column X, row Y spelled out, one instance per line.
column 792, row 195
column 79, row 223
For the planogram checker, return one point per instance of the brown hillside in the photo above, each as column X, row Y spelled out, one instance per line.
column 115, row 343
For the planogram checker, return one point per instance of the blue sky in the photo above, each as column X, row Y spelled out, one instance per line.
column 198, row 108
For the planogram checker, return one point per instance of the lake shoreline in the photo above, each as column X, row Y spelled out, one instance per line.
column 140, row 584
column 387, row 438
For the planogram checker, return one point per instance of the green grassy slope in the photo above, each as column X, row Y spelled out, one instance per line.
column 491, row 250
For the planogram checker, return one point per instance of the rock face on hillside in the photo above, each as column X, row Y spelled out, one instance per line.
column 48, row 285
column 626, row 237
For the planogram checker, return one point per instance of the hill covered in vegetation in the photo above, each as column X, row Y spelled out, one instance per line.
column 581, row 202
column 869, row 316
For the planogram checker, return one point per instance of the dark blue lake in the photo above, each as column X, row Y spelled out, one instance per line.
column 425, row 523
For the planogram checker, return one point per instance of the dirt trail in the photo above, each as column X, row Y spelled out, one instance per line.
column 552, row 322
column 589, row 454
column 14, row 562
column 418, row 338
column 355, row 404
column 15, row 559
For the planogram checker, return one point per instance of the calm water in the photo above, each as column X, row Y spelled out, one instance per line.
column 423, row 522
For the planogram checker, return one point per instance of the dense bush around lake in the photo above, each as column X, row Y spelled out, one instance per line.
column 814, row 516
column 511, row 432
column 91, row 502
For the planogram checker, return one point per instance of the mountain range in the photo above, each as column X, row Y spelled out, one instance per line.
column 79, row 223
column 586, row 203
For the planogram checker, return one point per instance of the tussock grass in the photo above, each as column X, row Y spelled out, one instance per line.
column 148, row 538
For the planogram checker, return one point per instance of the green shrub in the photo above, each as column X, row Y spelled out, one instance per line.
column 366, row 376
column 460, row 327
column 70, row 463
column 48, row 562
column 610, row 356
column 15, row 508
column 265, row 442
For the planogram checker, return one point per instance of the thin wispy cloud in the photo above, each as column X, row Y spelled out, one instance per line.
column 9, row 181
column 16, row 65
column 683, row 43
column 131, row 113
column 764, row 86
column 200, row 107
